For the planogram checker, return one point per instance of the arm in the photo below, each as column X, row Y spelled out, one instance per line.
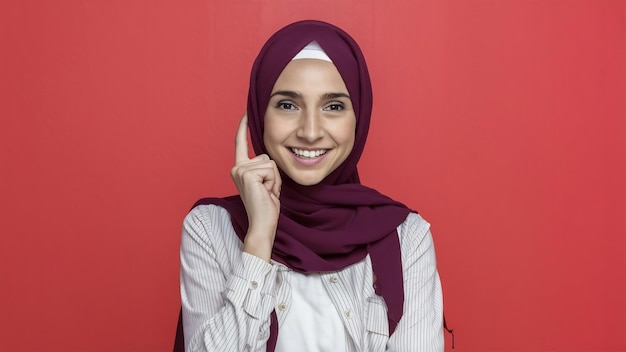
column 227, row 290
column 420, row 328
column 227, row 294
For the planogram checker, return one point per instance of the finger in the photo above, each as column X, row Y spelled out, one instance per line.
column 278, row 182
column 261, row 158
column 262, row 164
column 259, row 161
column 252, row 168
column 241, row 141
column 260, row 171
column 264, row 177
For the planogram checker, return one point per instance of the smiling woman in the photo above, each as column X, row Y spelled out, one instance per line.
column 310, row 122
column 502, row 122
column 306, row 258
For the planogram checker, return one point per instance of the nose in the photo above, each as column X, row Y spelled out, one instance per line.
column 311, row 126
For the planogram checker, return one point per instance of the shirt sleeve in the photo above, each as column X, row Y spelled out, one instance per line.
column 227, row 295
column 420, row 328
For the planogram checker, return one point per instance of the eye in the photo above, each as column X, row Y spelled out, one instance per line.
column 334, row 106
column 286, row 105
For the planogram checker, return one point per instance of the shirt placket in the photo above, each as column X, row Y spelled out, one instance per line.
column 283, row 293
column 346, row 306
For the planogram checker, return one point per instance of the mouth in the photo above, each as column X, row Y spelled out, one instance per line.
column 308, row 154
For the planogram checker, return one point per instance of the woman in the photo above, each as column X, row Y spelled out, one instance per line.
column 306, row 258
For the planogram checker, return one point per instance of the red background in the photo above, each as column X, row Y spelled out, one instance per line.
column 502, row 122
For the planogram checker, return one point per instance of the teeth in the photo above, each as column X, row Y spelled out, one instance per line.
column 308, row 153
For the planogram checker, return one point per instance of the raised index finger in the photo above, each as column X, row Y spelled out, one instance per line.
column 241, row 141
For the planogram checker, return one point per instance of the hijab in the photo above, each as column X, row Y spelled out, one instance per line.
column 338, row 222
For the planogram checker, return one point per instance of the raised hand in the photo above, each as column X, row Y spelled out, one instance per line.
column 258, row 182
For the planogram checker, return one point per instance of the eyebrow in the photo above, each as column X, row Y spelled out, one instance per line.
column 329, row 96
column 295, row 95
column 288, row 93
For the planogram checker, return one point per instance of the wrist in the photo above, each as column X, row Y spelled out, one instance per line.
column 259, row 244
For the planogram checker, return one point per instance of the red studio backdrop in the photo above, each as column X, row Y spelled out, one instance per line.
column 502, row 122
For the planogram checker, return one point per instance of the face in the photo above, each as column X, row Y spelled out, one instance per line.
column 309, row 122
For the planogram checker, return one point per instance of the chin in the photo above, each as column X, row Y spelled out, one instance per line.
column 307, row 181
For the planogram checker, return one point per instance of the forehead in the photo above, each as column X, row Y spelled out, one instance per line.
column 310, row 74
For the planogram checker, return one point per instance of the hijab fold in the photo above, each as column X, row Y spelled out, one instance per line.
column 338, row 222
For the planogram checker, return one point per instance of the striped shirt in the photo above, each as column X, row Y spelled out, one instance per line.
column 228, row 295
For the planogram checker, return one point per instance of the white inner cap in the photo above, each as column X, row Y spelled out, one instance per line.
column 312, row 51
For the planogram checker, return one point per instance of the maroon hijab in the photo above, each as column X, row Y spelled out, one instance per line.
column 331, row 225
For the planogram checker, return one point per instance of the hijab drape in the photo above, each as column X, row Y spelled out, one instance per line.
column 336, row 223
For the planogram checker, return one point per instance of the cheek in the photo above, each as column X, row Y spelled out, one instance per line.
column 349, row 133
column 267, row 140
column 271, row 139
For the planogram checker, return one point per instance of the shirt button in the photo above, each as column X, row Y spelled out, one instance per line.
column 334, row 279
column 282, row 306
column 255, row 284
column 348, row 313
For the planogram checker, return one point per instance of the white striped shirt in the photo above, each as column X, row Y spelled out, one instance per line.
column 228, row 295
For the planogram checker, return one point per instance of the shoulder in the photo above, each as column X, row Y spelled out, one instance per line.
column 413, row 232
column 207, row 218
column 211, row 226
column 413, row 226
column 207, row 214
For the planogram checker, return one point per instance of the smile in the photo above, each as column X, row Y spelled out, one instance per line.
column 308, row 153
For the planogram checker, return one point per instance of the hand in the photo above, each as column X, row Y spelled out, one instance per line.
column 258, row 182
